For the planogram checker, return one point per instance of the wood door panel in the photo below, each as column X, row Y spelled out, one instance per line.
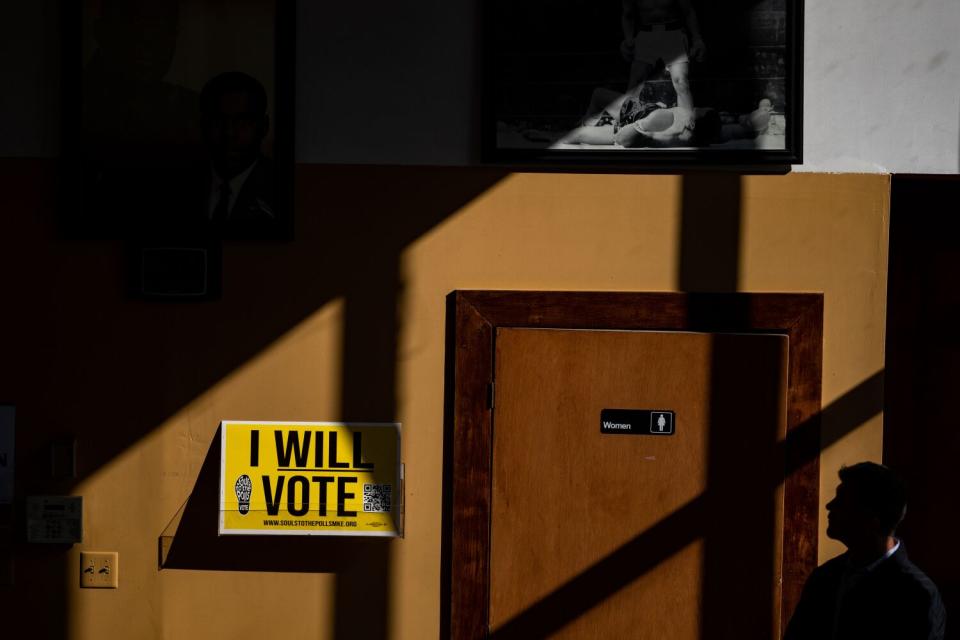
column 565, row 496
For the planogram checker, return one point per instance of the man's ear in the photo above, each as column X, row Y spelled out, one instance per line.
column 264, row 126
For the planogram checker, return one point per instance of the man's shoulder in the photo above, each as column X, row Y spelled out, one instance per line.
column 908, row 590
column 832, row 567
column 910, row 576
column 825, row 579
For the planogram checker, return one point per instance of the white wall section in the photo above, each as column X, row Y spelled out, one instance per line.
column 882, row 86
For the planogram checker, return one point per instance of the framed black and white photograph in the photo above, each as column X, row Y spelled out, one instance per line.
column 179, row 118
column 643, row 82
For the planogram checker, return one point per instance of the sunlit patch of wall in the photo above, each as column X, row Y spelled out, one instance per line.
column 131, row 501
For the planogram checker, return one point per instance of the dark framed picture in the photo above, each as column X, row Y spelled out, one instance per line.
column 178, row 119
column 643, row 82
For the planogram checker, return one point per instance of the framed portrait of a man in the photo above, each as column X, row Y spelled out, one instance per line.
column 179, row 118
column 643, row 82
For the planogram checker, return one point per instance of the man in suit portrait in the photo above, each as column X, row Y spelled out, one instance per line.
column 872, row 591
column 240, row 194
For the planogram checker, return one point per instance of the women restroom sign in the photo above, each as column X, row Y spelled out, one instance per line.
column 310, row 478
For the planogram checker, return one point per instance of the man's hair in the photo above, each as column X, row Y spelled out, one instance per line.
column 232, row 82
column 879, row 491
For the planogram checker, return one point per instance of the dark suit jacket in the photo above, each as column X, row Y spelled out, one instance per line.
column 254, row 204
column 253, row 214
column 894, row 601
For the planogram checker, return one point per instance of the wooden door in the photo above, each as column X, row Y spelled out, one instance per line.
column 566, row 496
column 553, row 529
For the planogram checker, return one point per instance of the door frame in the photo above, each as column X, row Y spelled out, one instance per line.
column 473, row 318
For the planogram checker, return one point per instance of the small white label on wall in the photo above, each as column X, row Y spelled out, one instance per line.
column 55, row 519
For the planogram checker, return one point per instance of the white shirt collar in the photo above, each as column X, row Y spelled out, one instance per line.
column 851, row 568
column 892, row 550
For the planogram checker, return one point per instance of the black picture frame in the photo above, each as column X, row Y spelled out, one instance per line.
column 153, row 184
column 543, row 60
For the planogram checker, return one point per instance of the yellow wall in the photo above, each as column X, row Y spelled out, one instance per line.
column 277, row 337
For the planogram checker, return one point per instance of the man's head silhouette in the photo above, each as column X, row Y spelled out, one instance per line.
column 869, row 504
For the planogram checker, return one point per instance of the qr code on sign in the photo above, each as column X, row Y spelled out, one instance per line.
column 376, row 498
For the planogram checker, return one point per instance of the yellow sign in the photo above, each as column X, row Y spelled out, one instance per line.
column 310, row 478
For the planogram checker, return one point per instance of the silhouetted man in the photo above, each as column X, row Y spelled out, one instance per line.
column 872, row 591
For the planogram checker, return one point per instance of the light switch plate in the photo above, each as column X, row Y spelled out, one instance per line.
column 99, row 569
